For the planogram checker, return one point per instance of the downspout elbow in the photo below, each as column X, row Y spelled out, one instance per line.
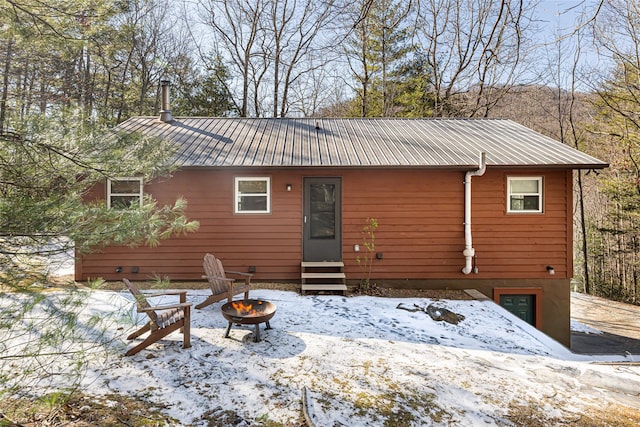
column 468, row 253
column 482, row 167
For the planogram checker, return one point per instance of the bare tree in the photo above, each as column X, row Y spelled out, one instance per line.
column 572, row 121
column 295, row 26
column 616, row 34
column 270, row 41
column 238, row 28
column 474, row 49
column 147, row 47
column 323, row 88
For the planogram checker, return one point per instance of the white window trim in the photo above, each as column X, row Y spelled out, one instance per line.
column 540, row 193
column 237, row 179
column 132, row 178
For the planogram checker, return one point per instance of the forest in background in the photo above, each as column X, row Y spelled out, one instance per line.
column 574, row 77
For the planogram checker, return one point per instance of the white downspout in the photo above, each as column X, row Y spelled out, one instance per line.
column 469, row 252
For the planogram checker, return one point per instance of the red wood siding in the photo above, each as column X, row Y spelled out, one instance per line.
column 420, row 233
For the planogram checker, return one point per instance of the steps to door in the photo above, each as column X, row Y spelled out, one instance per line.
column 323, row 276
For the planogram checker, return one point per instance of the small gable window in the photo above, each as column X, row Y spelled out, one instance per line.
column 525, row 194
column 124, row 193
column 252, row 195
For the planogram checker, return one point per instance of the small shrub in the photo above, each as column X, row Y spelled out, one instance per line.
column 366, row 286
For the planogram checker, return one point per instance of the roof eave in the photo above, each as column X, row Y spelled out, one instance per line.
column 434, row 167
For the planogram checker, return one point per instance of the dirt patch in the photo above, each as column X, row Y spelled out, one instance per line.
column 295, row 287
column 427, row 293
column 82, row 411
column 619, row 324
column 533, row 415
column 612, row 317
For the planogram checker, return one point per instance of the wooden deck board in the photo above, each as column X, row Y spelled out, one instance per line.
column 324, row 287
column 320, row 264
column 323, row 275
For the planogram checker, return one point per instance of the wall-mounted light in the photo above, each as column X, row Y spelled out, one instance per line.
column 289, row 187
column 356, row 248
column 135, row 269
column 378, row 255
column 551, row 270
column 118, row 269
column 252, row 269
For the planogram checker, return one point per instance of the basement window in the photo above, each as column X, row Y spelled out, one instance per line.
column 524, row 195
column 124, row 193
column 252, row 195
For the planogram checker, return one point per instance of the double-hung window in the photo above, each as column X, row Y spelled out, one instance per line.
column 252, row 195
column 124, row 193
column 524, row 194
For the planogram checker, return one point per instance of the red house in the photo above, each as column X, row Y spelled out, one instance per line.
column 461, row 204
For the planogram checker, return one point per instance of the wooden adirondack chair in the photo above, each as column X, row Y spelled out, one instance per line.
column 221, row 286
column 162, row 319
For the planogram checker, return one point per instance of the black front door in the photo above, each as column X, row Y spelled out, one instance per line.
column 322, row 235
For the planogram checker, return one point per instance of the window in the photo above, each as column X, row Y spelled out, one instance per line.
column 123, row 193
column 252, row 195
column 322, row 210
column 525, row 194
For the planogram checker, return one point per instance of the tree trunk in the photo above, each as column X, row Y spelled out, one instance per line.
column 5, row 85
column 583, row 227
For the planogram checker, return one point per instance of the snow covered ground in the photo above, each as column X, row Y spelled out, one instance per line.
column 364, row 361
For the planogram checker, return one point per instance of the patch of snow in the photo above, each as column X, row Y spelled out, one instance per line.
column 362, row 361
column 581, row 327
column 61, row 263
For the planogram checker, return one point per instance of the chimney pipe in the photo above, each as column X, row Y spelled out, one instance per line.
column 165, row 112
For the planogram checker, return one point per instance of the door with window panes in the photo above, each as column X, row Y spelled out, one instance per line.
column 522, row 306
column 322, row 219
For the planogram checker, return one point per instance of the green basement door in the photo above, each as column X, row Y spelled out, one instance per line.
column 522, row 306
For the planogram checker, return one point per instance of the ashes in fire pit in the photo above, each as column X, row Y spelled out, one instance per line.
column 248, row 312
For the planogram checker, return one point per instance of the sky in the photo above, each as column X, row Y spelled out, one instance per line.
column 360, row 361
column 564, row 15
column 557, row 20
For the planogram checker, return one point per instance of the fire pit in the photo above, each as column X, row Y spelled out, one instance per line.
column 248, row 312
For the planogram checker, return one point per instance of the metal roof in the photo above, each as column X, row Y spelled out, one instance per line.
column 356, row 142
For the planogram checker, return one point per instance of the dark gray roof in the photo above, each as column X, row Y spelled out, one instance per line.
column 353, row 142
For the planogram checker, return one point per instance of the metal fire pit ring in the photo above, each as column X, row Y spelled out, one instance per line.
column 248, row 312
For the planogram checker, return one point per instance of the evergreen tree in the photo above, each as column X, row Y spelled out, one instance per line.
column 414, row 94
column 206, row 94
column 392, row 78
column 391, row 48
column 49, row 167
